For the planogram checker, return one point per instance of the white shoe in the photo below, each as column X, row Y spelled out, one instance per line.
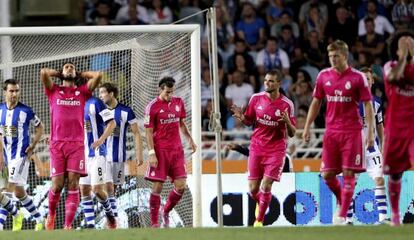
column 339, row 221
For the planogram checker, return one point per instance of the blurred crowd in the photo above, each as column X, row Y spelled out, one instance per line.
column 256, row 36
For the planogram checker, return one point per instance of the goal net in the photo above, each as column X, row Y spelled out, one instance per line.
column 135, row 58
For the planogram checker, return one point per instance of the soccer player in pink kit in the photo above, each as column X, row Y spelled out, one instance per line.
column 399, row 133
column 343, row 149
column 164, row 118
column 273, row 116
column 67, row 104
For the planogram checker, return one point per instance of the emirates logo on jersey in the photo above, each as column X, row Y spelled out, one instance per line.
column 348, row 85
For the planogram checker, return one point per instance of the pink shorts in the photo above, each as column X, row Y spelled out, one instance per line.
column 343, row 150
column 269, row 166
column 398, row 152
column 67, row 157
column 171, row 163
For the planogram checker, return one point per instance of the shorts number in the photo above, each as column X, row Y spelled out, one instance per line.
column 81, row 164
column 377, row 160
column 99, row 171
column 12, row 171
column 120, row 174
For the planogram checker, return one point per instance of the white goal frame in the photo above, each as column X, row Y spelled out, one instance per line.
column 194, row 29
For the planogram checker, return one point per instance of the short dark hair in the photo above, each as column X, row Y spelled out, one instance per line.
column 166, row 81
column 10, row 81
column 366, row 70
column 277, row 73
column 369, row 19
column 110, row 88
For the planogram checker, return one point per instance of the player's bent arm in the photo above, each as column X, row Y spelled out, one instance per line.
column 370, row 122
column 138, row 143
column 39, row 130
column 1, row 153
column 94, row 78
column 45, row 74
column 291, row 130
column 109, row 129
column 313, row 112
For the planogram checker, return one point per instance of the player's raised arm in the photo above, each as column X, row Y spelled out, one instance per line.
column 94, row 78
column 45, row 74
column 184, row 130
column 138, row 143
column 397, row 72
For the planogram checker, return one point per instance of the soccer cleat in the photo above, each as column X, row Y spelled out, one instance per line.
column 18, row 221
column 50, row 223
column 339, row 221
column 166, row 219
column 386, row 221
column 257, row 224
column 39, row 226
column 155, row 225
column 395, row 221
column 68, row 227
column 111, row 222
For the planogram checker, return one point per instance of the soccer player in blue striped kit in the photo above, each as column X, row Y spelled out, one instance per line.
column 116, row 143
column 15, row 121
column 99, row 124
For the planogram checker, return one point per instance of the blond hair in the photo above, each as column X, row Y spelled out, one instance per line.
column 338, row 45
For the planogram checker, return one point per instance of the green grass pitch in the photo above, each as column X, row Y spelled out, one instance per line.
column 267, row 233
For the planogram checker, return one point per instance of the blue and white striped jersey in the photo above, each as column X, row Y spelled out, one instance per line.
column 14, row 128
column 376, row 102
column 116, row 143
column 96, row 115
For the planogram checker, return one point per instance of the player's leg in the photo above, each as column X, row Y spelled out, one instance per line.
column 57, row 170
column 17, row 181
column 157, row 176
column 381, row 199
column 117, row 178
column 255, row 175
column 351, row 210
column 352, row 153
column 264, row 197
column 72, row 200
column 53, row 199
column 98, row 178
column 397, row 156
column 178, row 175
column 173, row 198
column 87, row 202
column 7, row 206
column 331, row 164
column 75, row 168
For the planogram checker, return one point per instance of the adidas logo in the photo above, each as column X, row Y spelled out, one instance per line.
column 260, row 108
column 161, row 111
column 61, row 92
column 328, row 83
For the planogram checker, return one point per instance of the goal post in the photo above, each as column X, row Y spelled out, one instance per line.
column 142, row 54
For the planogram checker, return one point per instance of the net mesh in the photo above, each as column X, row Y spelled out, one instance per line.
column 135, row 62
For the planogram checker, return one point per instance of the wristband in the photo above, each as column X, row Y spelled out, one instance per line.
column 151, row 152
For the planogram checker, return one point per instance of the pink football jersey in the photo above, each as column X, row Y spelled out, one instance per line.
column 164, row 117
column 67, row 106
column 269, row 135
column 342, row 92
column 400, row 109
